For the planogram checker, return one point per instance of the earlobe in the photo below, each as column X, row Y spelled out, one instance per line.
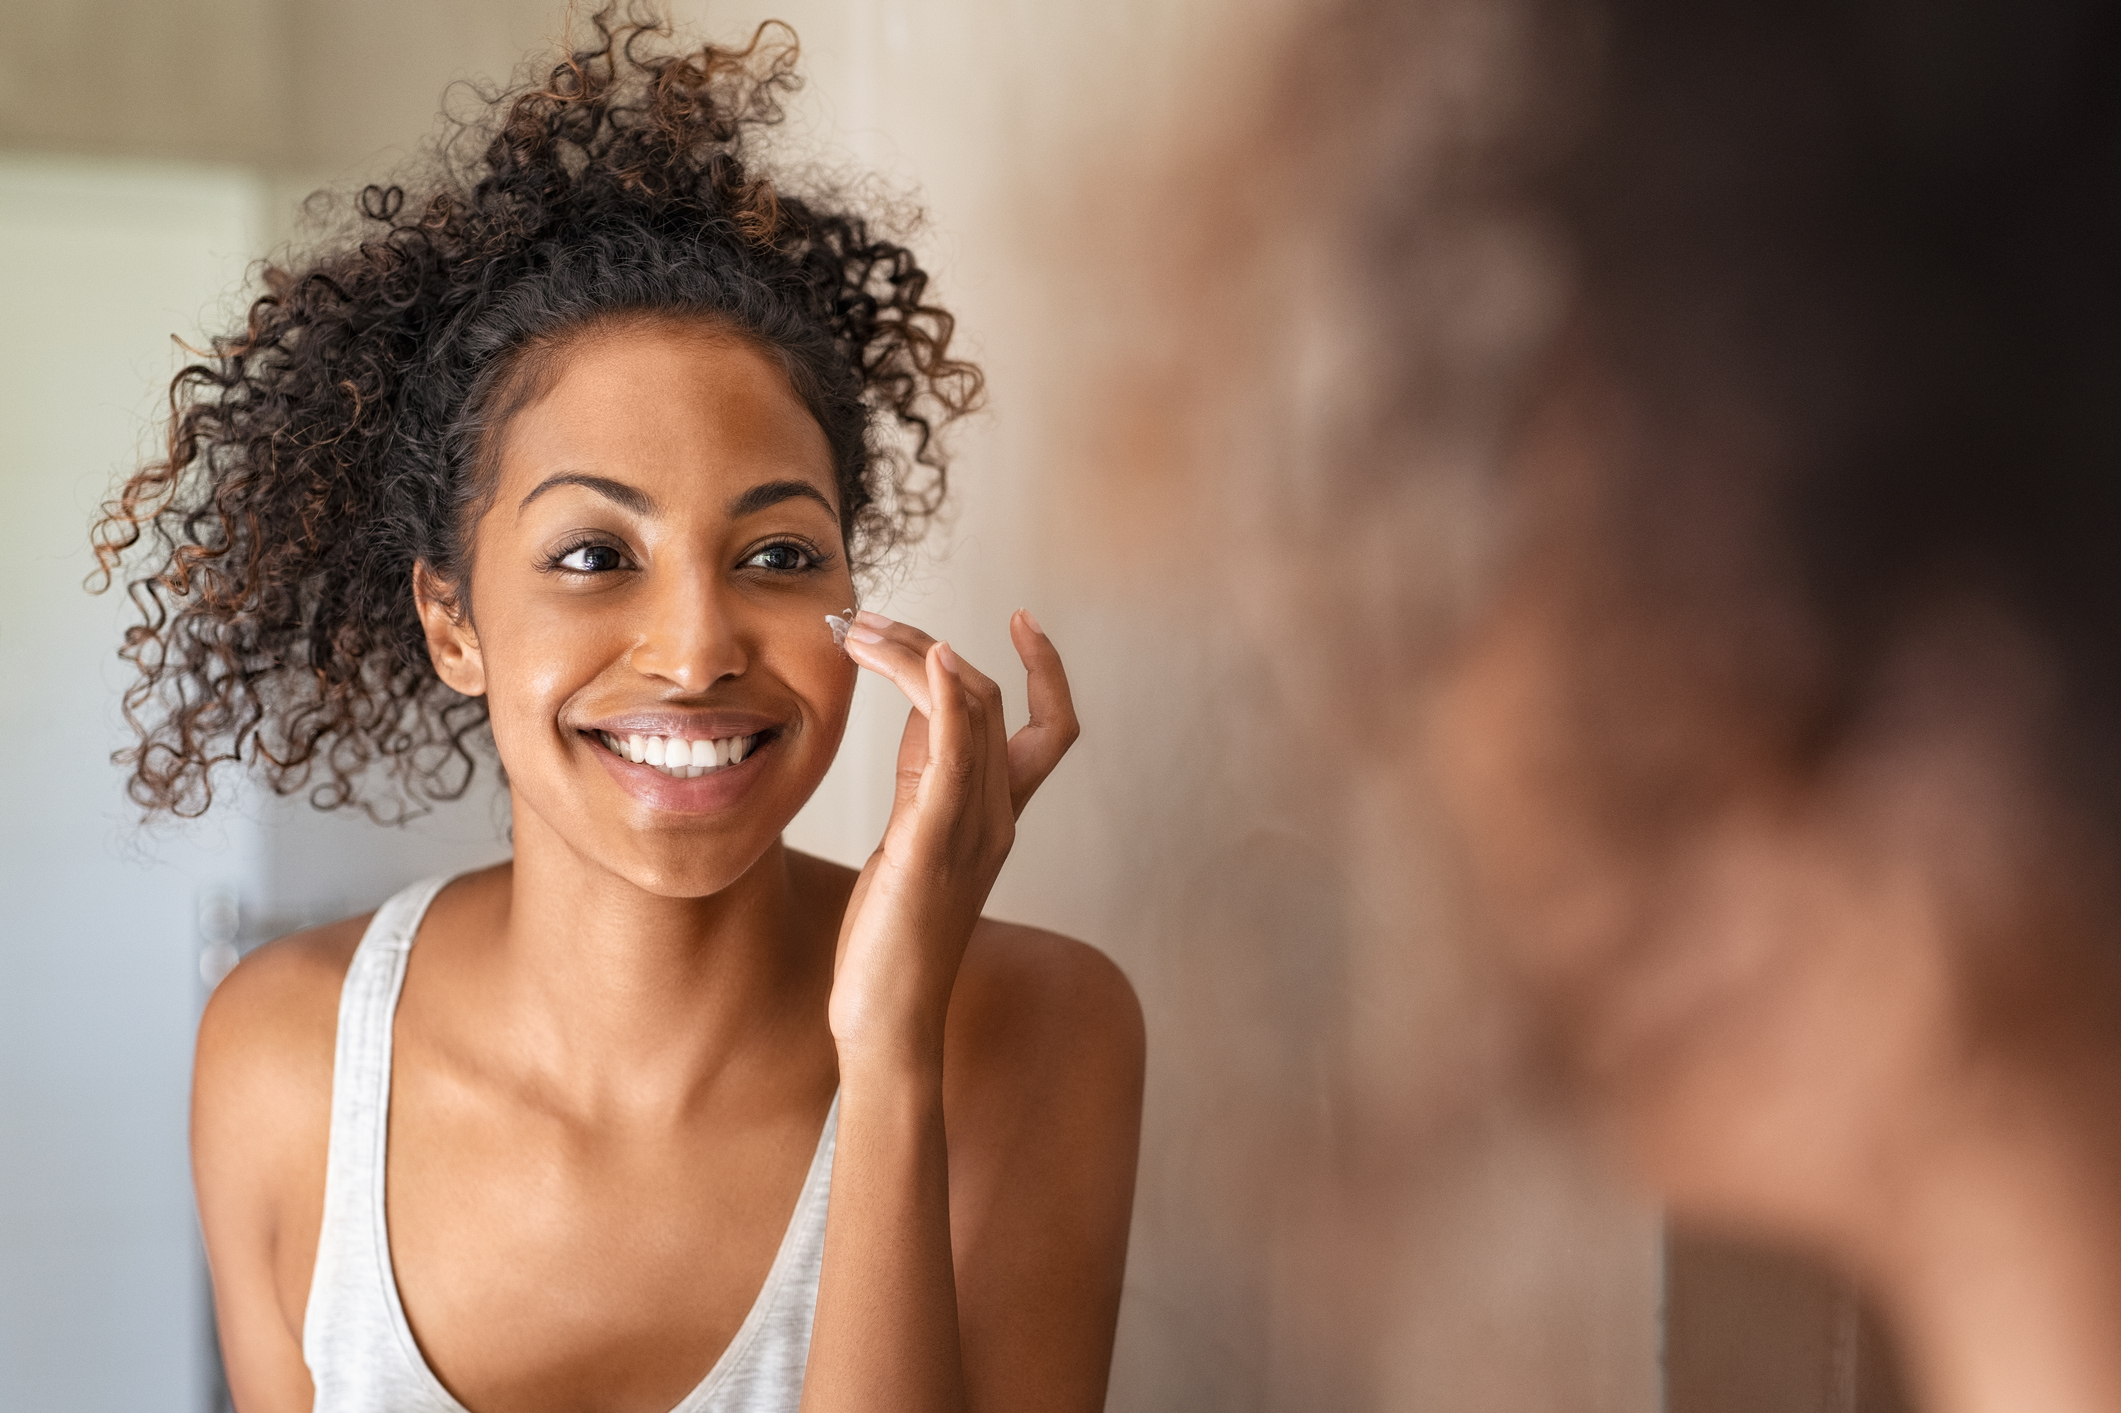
column 452, row 644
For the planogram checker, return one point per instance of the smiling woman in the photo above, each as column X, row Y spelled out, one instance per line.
column 665, row 510
column 581, row 446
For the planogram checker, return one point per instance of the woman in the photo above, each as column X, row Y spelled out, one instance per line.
column 580, row 445
column 1780, row 719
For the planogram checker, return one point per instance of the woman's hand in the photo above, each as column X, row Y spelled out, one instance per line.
column 1046, row 1235
column 961, row 783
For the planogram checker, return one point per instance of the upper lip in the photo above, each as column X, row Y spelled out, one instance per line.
column 692, row 726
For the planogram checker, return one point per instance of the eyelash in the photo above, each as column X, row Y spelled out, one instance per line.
column 813, row 558
column 556, row 561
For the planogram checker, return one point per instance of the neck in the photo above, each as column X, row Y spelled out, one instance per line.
column 617, row 999
column 2002, row 1260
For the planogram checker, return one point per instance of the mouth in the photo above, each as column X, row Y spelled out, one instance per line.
column 678, row 757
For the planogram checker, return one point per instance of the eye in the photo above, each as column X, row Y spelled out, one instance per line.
column 591, row 558
column 783, row 558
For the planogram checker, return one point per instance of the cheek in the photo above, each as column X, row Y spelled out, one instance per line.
column 534, row 660
column 1493, row 729
column 822, row 678
column 795, row 647
column 1555, row 893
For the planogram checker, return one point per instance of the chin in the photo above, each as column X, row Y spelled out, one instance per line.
column 680, row 867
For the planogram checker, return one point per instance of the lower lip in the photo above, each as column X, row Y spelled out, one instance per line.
column 700, row 794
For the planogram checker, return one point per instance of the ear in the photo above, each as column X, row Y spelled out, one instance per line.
column 452, row 645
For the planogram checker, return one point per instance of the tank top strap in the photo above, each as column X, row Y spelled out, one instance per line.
column 354, row 1336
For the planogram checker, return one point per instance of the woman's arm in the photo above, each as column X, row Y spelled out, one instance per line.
column 886, row 1332
column 1036, row 1328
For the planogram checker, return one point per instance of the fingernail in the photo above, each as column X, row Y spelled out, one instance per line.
column 1033, row 622
column 863, row 635
column 949, row 658
column 874, row 620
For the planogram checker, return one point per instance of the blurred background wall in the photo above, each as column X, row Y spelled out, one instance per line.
column 1350, row 1196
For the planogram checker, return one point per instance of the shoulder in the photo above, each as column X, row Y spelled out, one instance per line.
column 1015, row 977
column 282, row 998
column 261, row 1135
column 1033, row 1013
column 262, row 1075
column 1039, row 1015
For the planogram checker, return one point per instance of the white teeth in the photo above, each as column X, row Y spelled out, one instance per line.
column 676, row 756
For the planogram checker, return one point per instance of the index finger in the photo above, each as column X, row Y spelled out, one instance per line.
column 893, row 650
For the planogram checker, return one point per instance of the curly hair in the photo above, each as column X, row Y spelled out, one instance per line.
column 344, row 435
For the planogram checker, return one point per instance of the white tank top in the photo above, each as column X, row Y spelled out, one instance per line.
column 355, row 1339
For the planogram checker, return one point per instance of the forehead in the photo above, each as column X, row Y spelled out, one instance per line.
column 670, row 408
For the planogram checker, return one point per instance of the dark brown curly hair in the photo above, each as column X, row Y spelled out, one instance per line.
column 339, row 439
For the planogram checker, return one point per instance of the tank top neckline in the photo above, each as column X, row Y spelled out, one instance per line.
column 388, row 940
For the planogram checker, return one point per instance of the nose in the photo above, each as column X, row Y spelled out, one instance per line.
column 690, row 634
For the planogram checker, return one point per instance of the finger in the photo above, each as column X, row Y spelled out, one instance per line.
column 912, row 757
column 952, row 763
column 895, row 651
column 903, row 827
column 900, row 650
column 984, row 699
column 1052, row 729
column 894, row 631
column 990, row 743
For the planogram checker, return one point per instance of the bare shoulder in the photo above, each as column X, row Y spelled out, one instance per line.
column 1034, row 1014
column 1033, row 1006
column 1027, row 971
column 261, row 1081
column 261, row 1133
column 281, row 1003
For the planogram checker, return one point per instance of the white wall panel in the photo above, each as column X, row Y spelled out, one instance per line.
column 102, row 1295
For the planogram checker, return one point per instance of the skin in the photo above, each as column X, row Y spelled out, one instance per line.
column 1867, row 1006
column 655, row 989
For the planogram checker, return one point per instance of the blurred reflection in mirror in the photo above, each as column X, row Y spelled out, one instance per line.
column 1680, row 439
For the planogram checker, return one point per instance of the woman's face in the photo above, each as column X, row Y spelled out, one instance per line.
column 657, row 562
column 1778, row 982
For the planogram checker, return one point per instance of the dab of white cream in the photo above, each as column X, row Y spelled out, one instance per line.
column 840, row 624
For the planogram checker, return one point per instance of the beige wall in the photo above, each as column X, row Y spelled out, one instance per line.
column 1349, row 1199
column 144, row 78
column 289, row 85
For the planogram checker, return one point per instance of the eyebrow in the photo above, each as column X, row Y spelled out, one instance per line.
column 769, row 493
column 639, row 502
